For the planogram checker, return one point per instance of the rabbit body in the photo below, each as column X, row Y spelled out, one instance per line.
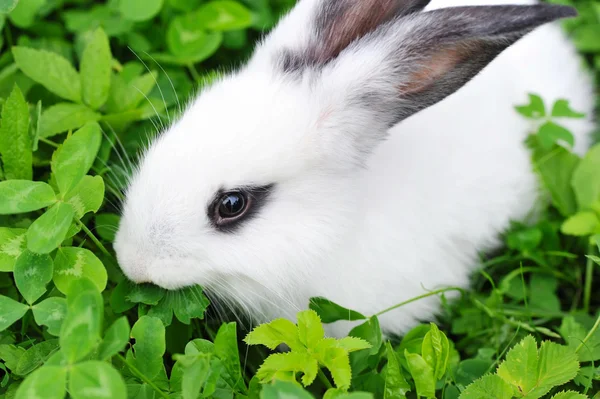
column 412, row 213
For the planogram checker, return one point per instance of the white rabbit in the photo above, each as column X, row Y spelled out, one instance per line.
column 283, row 181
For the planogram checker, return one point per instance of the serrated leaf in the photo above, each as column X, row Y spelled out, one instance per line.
column 396, row 386
column 337, row 362
column 87, row 196
column 557, row 366
column 488, row 387
column 581, row 224
column 115, row 339
column 291, row 362
column 422, row 374
column 96, row 380
column 586, row 179
column 520, row 367
column 310, row 329
column 149, row 347
column 48, row 382
column 187, row 303
column 330, row 312
column 353, row 344
column 76, row 156
column 15, row 141
column 21, row 196
column 50, row 70
column 535, row 109
column 49, row 230
column 71, row 265
column 569, row 395
column 96, row 70
column 12, row 245
column 10, row 312
column 562, row 109
column 80, row 331
column 63, row 117
column 32, row 273
column 51, row 312
column 275, row 333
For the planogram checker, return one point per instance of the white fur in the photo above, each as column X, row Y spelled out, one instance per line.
column 441, row 189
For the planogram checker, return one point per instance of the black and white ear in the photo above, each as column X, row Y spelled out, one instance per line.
column 316, row 31
column 411, row 61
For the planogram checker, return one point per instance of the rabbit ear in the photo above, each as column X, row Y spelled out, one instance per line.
column 413, row 62
column 316, row 31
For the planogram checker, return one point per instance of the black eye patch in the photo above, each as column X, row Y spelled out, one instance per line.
column 230, row 209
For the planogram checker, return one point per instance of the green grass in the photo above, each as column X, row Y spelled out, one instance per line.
column 84, row 84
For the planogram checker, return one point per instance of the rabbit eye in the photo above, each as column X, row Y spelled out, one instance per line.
column 232, row 204
column 229, row 209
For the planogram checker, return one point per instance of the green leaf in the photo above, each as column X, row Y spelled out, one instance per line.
column 35, row 356
column 63, row 117
column 282, row 365
column 140, row 10
column 284, row 390
column 556, row 170
column 227, row 350
column 15, row 141
column 370, row 331
column 76, row 156
column 436, row 350
column 51, row 312
column 49, row 230
column 10, row 355
column 535, row 374
column 7, row 6
column 330, row 312
column 21, row 196
column 338, row 363
column 581, row 224
column 32, row 273
column 189, row 42
column 127, row 95
column 586, row 179
column 195, row 376
column 74, row 264
column 353, row 344
column 106, row 225
column 223, row 15
column 422, row 374
column 550, row 134
column 96, row 69
column 310, row 329
column 10, row 311
column 115, row 339
column 562, row 109
column 12, row 244
column 25, row 13
column 488, row 387
column 87, row 196
column 275, row 333
column 569, row 395
column 396, row 386
column 574, row 334
column 149, row 347
column 80, row 332
column 96, row 380
column 48, row 383
column 148, row 294
column 535, row 109
column 50, row 70
column 187, row 303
